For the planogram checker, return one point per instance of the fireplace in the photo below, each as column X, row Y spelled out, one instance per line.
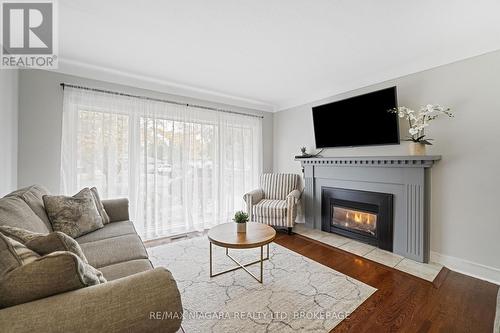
column 361, row 215
column 407, row 178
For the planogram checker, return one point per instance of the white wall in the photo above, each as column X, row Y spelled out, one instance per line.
column 465, row 220
column 40, row 123
column 8, row 130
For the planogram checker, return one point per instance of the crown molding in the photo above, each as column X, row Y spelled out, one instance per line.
column 90, row 71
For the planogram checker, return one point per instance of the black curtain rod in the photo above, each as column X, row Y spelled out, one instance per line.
column 63, row 85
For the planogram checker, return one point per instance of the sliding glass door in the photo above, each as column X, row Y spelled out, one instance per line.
column 182, row 168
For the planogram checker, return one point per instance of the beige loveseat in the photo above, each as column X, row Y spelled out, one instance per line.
column 128, row 302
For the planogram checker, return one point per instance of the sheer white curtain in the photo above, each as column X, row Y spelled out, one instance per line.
column 183, row 168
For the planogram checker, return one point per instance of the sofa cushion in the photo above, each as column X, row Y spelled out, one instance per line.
column 123, row 269
column 49, row 275
column 44, row 243
column 15, row 212
column 33, row 195
column 114, row 250
column 76, row 215
column 113, row 229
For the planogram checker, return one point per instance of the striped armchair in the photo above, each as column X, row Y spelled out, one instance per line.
column 275, row 202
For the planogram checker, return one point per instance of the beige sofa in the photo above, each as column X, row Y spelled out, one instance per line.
column 128, row 302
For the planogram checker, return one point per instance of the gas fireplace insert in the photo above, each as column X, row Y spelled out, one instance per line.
column 361, row 215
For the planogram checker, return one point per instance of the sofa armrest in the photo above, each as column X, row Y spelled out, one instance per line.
column 117, row 209
column 143, row 302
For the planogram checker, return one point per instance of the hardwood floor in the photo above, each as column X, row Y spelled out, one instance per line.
column 403, row 303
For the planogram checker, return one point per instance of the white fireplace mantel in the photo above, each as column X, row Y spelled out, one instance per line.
column 406, row 177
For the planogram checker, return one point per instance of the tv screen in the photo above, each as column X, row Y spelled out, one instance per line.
column 358, row 121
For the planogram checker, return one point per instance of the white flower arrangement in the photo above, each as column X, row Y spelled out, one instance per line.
column 418, row 121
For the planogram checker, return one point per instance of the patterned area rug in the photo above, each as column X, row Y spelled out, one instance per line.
column 298, row 294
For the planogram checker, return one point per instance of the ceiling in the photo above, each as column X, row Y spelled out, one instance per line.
column 272, row 54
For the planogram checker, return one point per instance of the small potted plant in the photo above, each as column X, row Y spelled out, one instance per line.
column 241, row 219
column 418, row 121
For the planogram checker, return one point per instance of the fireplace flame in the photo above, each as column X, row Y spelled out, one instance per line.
column 362, row 218
column 355, row 219
column 358, row 218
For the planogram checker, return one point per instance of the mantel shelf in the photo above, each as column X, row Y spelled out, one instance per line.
column 402, row 161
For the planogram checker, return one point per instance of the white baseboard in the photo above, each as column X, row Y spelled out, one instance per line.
column 480, row 271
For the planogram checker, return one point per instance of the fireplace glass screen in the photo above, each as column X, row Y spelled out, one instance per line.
column 354, row 220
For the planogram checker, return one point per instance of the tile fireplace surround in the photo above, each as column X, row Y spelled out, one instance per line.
column 427, row 271
column 407, row 178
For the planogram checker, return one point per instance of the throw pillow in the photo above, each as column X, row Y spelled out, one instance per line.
column 100, row 206
column 44, row 243
column 76, row 215
column 55, row 273
column 13, row 255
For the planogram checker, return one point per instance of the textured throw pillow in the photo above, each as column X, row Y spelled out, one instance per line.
column 13, row 255
column 76, row 215
column 19, row 234
column 49, row 275
column 99, row 205
column 44, row 243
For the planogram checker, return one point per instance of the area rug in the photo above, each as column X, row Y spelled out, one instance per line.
column 298, row 294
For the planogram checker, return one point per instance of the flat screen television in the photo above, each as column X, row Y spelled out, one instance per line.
column 358, row 121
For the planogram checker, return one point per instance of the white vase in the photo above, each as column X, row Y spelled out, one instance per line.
column 417, row 148
column 241, row 227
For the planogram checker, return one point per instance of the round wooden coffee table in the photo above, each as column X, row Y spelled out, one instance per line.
column 257, row 235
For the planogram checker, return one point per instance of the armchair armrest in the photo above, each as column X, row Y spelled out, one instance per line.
column 256, row 195
column 141, row 302
column 117, row 209
column 251, row 198
column 294, row 196
column 291, row 202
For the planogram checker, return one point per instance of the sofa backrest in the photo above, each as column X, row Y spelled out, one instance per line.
column 277, row 186
column 24, row 209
